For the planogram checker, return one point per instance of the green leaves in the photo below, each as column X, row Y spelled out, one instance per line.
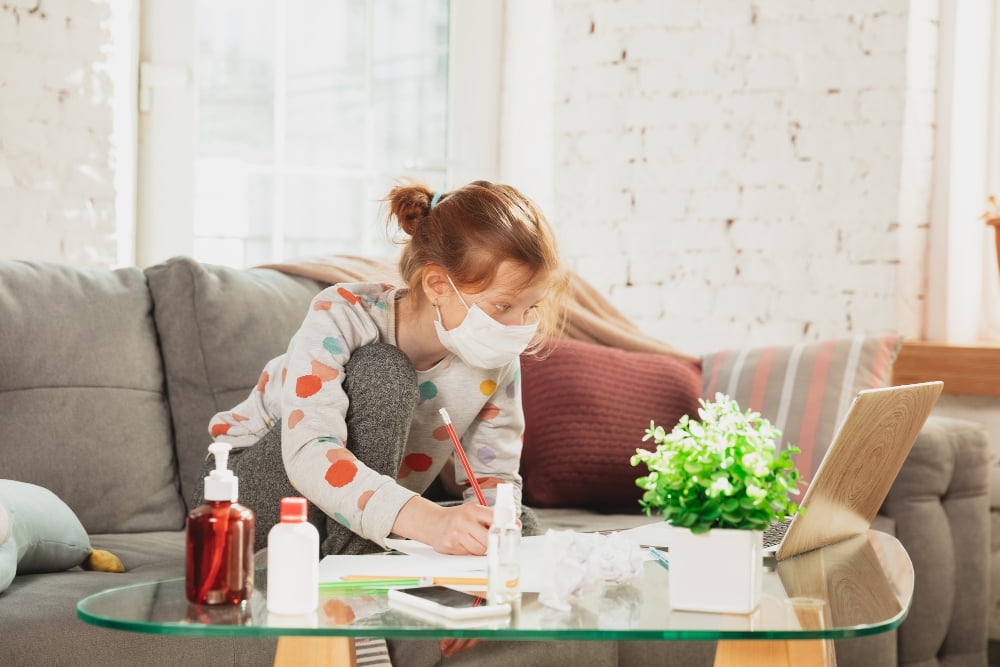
column 722, row 471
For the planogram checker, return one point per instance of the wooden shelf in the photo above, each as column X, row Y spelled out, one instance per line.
column 965, row 369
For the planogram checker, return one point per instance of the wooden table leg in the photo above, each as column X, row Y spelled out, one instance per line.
column 775, row 653
column 296, row 651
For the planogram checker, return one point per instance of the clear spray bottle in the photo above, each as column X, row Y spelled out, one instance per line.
column 503, row 549
column 220, row 540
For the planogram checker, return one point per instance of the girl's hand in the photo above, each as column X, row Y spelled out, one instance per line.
column 450, row 647
column 463, row 530
column 457, row 530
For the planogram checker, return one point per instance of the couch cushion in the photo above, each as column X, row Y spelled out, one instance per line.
column 804, row 389
column 83, row 411
column 586, row 408
column 218, row 326
column 41, row 627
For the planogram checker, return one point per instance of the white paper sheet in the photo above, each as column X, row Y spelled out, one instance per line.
column 421, row 550
column 655, row 534
column 335, row 568
column 420, row 560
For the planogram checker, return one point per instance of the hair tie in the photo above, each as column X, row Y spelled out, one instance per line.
column 435, row 199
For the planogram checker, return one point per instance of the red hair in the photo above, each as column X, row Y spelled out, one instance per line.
column 470, row 231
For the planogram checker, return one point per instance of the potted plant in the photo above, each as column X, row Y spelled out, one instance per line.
column 992, row 217
column 720, row 482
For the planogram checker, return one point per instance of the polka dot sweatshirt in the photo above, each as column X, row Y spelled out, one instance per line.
column 303, row 388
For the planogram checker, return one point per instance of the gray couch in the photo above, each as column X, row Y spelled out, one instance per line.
column 108, row 379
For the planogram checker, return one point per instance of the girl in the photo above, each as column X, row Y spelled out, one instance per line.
column 349, row 416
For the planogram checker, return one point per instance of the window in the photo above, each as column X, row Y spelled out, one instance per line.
column 292, row 118
column 307, row 111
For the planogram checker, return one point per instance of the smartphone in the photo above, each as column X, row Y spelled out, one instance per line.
column 440, row 603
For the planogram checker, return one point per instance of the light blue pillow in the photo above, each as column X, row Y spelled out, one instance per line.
column 38, row 532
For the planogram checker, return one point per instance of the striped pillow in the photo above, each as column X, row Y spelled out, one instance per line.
column 805, row 389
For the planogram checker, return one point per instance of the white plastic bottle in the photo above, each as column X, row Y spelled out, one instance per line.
column 503, row 547
column 293, row 561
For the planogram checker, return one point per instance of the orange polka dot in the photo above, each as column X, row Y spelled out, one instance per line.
column 341, row 473
column 489, row 412
column 487, row 387
column 220, row 429
column 264, row 379
column 339, row 454
column 364, row 498
column 338, row 612
column 404, row 471
column 294, row 417
column 347, row 295
column 307, row 385
column 324, row 372
column 322, row 305
column 441, row 433
column 419, row 462
column 239, row 418
column 284, row 374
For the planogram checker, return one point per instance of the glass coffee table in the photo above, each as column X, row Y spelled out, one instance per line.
column 860, row 586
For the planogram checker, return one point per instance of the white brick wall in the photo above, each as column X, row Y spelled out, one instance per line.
column 57, row 192
column 738, row 172
column 729, row 171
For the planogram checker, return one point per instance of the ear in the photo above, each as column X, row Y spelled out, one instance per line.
column 435, row 283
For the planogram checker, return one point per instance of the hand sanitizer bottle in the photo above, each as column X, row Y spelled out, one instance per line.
column 293, row 561
column 220, row 540
column 503, row 546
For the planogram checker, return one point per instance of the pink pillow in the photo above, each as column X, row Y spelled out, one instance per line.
column 586, row 408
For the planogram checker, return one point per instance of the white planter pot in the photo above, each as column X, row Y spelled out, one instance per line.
column 719, row 571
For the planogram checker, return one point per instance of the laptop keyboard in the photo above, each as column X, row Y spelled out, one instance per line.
column 775, row 533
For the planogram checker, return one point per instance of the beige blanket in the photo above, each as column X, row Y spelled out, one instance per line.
column 591, row 316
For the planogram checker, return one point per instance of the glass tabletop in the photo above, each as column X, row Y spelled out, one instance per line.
column 860, row 586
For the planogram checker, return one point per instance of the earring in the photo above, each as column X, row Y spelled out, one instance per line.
column 435, row 303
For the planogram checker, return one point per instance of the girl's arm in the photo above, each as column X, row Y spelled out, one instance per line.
column 314, row 406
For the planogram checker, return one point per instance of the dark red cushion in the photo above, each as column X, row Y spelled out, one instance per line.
column 586, row 408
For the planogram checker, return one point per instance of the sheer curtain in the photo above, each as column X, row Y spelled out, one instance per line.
column 963, row 306
column 990, row 324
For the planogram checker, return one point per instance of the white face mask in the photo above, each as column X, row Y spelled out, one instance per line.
column 481, row 341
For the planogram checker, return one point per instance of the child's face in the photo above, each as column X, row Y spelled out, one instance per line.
column 506, row 299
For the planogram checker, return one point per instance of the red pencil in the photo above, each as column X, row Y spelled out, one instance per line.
column 461, row 457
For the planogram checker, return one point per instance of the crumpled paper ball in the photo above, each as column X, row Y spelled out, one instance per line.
column 578, row 562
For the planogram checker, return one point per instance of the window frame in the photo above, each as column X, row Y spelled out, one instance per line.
column 167, row 116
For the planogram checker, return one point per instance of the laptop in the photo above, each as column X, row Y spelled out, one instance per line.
column 858, row 469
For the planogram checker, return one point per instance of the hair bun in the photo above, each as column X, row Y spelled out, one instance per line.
column 410, row 204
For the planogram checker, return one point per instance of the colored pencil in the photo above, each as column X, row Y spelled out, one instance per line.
column 660, row 557
column 439, row 581
column 379, row 582
column 461, row 457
